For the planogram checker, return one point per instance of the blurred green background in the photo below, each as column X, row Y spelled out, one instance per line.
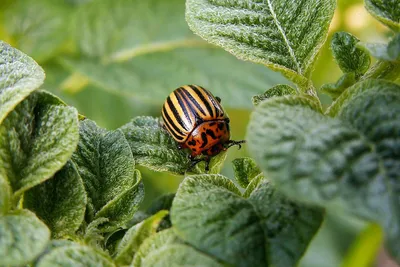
column 117, row 59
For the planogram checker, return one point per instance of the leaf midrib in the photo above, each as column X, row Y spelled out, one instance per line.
column 278, row 25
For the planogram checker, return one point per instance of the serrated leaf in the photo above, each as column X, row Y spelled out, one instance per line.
column 386, row 11
column 263, row 31
column 278, row 90
column 22, row 238
column 349, row 164
column 5, row 195
column 152, row 244
column 36, row 140
column 19, row 76
column 37, row 27
column 135, row 236
column 334, row 90
column 209, row 213
column 349, row 57
column 75, row 255
column 105, row 163
column 60, row 202
column 245, row 170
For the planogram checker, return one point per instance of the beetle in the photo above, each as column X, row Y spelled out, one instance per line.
column 197, row 121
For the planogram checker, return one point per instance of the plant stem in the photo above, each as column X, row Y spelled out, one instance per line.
column 382, row 69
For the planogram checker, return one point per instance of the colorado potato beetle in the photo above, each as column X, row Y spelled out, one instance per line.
column 197, row 121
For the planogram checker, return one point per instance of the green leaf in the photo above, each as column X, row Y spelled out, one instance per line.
column 153, row 147
column 389, row 52
column 74, row 255
column 163, row 202
column 60, row 202
column 209, row 213
column 180, row 255
column 19, row 76
column 349, row 57
column 334, row 90
column 105, row 163
column 22, row 238
column 263, row 31
column 38, row 27
column 245, row 170
column 278, row 90
column 125, row 50
column 135, row 236
column 5, row 195
column 386, row 11
column 36, row 140
column 349, row 164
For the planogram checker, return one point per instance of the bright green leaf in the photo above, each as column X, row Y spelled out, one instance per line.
column 264, row 31
column 152, row 244
column 135, row 236
column 334, row 90
column 278, row 90
column 350, row 165
column 38, row 27
column 74, row 255
column 349, row 57
column 209, row 213
column 5, row 195
column 36, row 140
column 19, row 76
column 245, row 170
column 60, row 202
column 386, row 11
column 105, row 163
column 22, row 238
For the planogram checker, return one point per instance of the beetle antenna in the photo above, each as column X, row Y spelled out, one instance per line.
column 236, row 143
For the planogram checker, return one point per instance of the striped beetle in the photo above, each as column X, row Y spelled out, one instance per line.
column 196, row 120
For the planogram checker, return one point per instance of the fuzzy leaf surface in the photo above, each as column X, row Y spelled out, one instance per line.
column 105, row 163
column 74, row 255
column 245, row 170
column 278, row 90
column 36, row 140
column 386, row 11
column 351, row 164
column 210, row 213
column 19, row 76
column 349, row 57
column 389, row 52
column 5, row 195
column 22, row 238
column 135, row 236
column 60, row 202
column 263, row 31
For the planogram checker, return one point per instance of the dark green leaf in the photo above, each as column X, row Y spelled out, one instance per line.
column 36, row 140
column 263, row 31
column 386, row 11
column 351, row 165
column 22, row 238
column 74, row 255
column 278, row 90
column 19, row 76
column 163, row 202
column 135, row 236
column 349, row 57
column 394, row 47
column 245, row 170
column 37, row 27
column 105, row 163
column 334, row 90
column 209, row 213
column 60, row 202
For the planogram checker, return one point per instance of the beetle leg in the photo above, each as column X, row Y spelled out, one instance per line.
column 207, row 160
column 236, row 143
column 193, row 162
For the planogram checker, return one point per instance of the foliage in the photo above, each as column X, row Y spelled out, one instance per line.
column 70, row 190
